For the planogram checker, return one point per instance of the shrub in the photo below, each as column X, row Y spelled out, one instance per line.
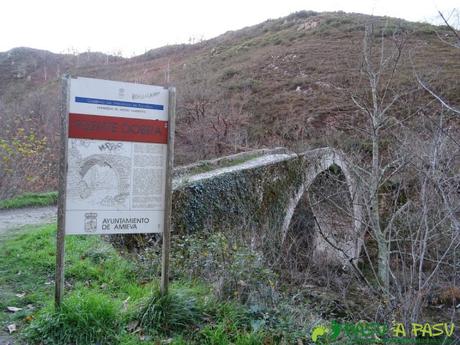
column 301, row 15
column 228, row 74
column 234, row 270
column 172, row 313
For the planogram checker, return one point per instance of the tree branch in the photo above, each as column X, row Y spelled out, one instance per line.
column 443, row 102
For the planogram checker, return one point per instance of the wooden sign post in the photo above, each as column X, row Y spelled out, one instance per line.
column 60, row 237
column 116, row 161
column 168, row 197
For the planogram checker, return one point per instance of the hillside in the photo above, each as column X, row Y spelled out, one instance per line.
column 284, row 82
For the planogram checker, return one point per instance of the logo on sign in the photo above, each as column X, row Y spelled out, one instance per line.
column 121, row 93
column 90, row 222
column 145, row 95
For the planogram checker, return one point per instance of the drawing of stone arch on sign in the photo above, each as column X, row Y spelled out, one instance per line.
column 115, row 171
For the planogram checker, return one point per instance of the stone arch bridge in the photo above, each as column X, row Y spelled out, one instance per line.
column 275, row 199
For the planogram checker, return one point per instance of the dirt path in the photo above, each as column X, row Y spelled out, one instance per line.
column 16, row 218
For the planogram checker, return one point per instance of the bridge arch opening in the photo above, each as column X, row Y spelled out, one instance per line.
column 322, row 222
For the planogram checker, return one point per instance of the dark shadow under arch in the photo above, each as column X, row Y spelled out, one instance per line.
column 321, row 228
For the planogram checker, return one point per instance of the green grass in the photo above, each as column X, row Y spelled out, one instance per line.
column 96, row 276
column 182, row 309
column 85, row 317
column 110, row 299
column 191, row 315
column 29, row 200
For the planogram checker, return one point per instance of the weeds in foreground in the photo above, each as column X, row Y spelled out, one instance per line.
column 182, row 309
column 111, row 300
column 85, row 317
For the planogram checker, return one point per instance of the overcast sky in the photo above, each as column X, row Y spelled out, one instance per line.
column 134, row 26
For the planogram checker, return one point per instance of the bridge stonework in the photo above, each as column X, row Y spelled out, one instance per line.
column 262, row 196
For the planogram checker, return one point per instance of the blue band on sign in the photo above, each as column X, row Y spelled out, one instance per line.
column 119, row 103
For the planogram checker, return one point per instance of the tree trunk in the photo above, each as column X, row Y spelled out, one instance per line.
column 383, row 250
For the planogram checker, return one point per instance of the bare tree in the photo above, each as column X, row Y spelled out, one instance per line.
column 409, row 178
column 211, row 122
column 380, row 64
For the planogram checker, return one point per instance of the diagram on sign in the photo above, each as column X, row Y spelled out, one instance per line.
column 112, row 175
column 99, row 174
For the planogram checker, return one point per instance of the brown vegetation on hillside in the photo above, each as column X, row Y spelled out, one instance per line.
column 280, row 82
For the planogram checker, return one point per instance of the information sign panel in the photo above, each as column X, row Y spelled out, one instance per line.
column 116, row 157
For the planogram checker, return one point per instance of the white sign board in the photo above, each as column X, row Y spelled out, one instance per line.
column 116, row 157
